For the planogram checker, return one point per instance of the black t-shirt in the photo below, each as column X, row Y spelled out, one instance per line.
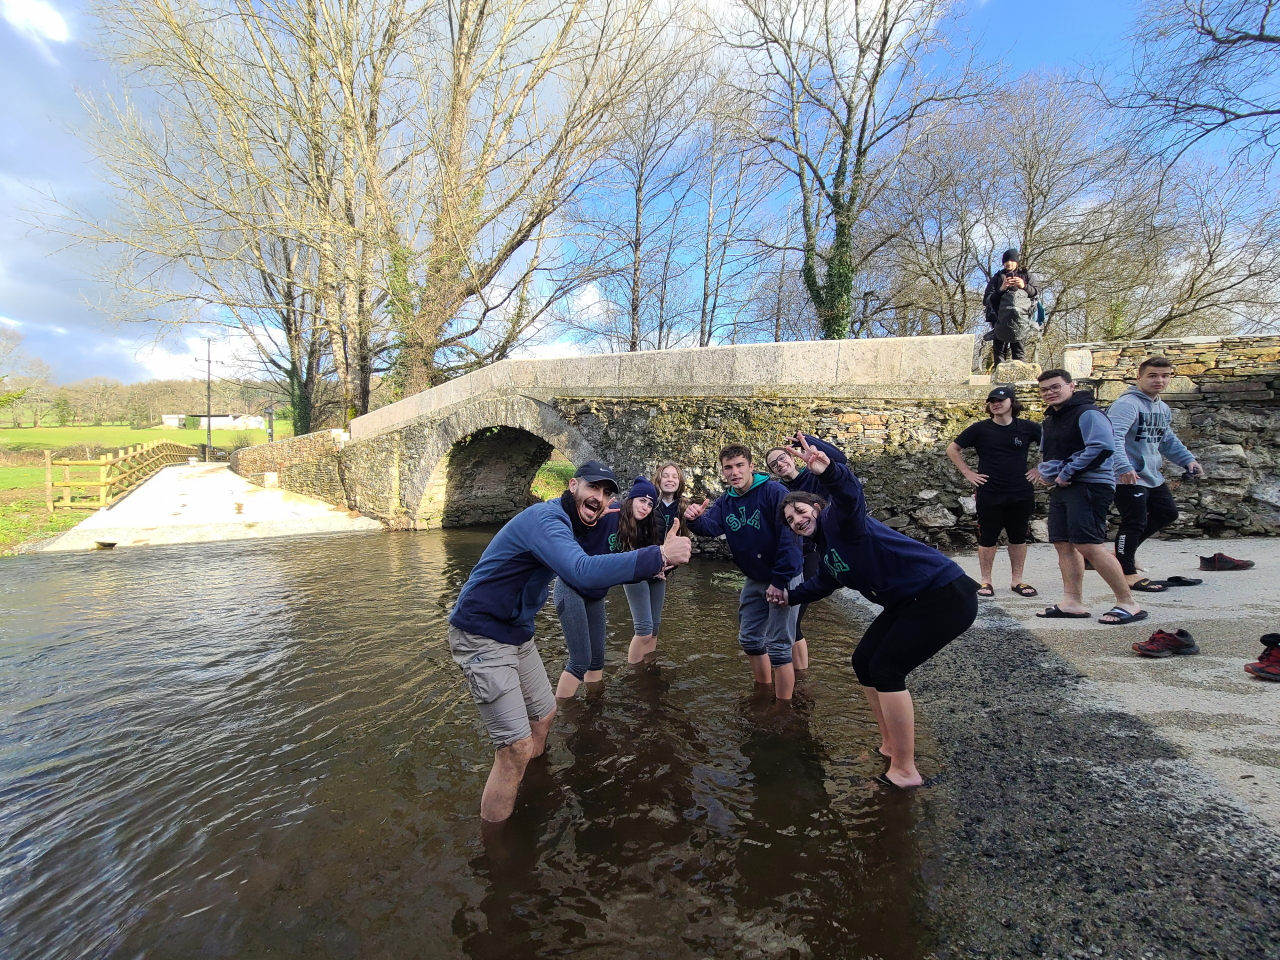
column 1002, row 456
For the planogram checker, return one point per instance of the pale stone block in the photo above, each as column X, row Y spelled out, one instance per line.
column 271, row 479
column 756, row 365
column 870, row 361
column 1078, row 361
column 1015, row 371
column 813, row 363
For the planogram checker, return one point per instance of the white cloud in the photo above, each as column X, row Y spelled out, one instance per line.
column 9, row 323
column 186, row 361
column 37, row 19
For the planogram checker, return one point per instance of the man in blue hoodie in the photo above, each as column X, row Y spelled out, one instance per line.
column 1076, row 447
column 491, row 626
column 1144, row 437
column 767, row 552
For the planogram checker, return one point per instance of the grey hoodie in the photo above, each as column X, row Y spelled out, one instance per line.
column 1144, row 437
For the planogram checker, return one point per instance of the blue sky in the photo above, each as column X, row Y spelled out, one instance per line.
column 45, row 59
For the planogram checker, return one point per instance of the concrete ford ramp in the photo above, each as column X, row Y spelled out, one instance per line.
column 205, row 503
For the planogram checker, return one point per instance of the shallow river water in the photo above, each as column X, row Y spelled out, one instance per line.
column 263, row 749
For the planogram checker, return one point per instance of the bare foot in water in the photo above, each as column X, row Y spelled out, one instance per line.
column 903, row 779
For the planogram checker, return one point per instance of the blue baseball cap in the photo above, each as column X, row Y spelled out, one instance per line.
column 593, row 471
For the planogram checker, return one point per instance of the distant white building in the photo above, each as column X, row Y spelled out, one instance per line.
column 221, row 421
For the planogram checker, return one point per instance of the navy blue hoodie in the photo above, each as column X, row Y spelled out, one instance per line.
column 763, row 547
column 809, row 482
column 510, row 583
column 596, row 541
column 860, row 552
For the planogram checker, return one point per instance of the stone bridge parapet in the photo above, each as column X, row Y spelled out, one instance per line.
column 466, row 452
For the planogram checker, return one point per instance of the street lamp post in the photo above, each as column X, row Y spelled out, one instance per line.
column 208, row 397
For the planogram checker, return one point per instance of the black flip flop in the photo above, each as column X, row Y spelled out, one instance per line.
column 1181, row 582
column 884, row 781
column 1125, row 615
column 1057, row 613
column 1148, row 586
column 991, row 591
column 1025, row 590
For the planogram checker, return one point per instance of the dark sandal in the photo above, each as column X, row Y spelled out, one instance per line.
column 986, row 590
column 1181, row 582
column 1148, row 586
column 1057, row 613
column 1025, row 590
column 1124, row 615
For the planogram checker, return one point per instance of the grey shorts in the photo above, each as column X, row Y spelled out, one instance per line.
column 764, row 627
column 508, row 683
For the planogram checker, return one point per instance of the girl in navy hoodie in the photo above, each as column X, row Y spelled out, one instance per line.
column 928, row 601
column 641, row 524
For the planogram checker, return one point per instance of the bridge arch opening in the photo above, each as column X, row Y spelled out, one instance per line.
column 486, row 477
column 478, row 464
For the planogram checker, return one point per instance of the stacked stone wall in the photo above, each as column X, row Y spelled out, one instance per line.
column 309, row 465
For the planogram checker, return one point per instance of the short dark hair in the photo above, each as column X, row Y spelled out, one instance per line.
column 735, row 450
column 1055, row 372
column 1159, row 362
column 799, row 496
column 1015, row 408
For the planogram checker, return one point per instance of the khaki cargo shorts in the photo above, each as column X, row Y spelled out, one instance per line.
column 508, row 683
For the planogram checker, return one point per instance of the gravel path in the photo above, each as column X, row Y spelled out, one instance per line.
column 1061, row 826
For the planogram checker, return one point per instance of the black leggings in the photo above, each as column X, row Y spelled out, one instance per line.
column 1143, row 511
column 909, row 633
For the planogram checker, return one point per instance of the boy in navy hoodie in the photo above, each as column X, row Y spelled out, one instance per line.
column 767, row 553
column 491, row 626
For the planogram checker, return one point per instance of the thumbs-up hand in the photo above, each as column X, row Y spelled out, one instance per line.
column 675, row 548
column 694, row 510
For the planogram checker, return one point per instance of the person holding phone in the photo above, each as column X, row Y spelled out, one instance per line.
column 1009, row 304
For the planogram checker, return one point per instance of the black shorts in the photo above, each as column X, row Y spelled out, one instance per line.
column 1013, row 516
column 1078, row 512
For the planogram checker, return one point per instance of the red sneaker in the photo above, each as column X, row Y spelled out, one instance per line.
column 1268, row 665
column 1220, row 561
column 1166, row 644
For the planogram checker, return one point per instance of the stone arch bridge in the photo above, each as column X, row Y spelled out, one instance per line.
column 466, row 452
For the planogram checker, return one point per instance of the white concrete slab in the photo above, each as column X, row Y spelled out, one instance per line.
column 1227, row 721
column 204, row 503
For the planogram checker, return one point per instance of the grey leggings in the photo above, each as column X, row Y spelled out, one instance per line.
column 583, row 623
column 645, row 599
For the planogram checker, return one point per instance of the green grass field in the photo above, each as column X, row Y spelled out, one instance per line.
column 552, row 478
column 36, row 439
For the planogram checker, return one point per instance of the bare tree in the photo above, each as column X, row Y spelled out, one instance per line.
column 1204, row 67
column 522, row 99
column 844, row 92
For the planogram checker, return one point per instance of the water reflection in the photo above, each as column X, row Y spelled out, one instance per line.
column 247, row 750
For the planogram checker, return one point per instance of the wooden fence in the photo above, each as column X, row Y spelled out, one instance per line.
column 96, row 484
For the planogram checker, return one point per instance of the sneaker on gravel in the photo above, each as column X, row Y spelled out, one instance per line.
column 1220, row 561
column 1165, row 644
column 1267, row 666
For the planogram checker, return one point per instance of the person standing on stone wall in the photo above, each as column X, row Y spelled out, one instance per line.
column 492, row 623
column 1144, row 436
column 1005, row 498
column 1009, row 303
column 1076, row 447
column 782, row 464
column 769, row 556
